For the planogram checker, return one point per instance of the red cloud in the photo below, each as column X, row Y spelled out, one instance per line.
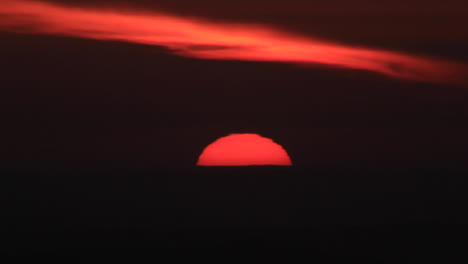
column 205, row 40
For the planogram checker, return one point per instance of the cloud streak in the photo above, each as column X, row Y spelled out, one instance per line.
column 195, row 38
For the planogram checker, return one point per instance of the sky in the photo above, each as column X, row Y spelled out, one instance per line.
column 73, row 97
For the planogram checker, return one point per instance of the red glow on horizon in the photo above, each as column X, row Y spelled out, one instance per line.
column 199, row 39
column 244, row 150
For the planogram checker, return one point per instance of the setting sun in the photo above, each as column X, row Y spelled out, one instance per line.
column 244, row 150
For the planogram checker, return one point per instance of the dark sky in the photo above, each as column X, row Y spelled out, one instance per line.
column 78, row 103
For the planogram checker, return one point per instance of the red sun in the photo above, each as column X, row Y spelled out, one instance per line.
column 244, row 150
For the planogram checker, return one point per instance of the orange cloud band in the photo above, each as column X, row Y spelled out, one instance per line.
column 200, row 39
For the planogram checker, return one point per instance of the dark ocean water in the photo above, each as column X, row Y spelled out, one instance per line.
column 394, row 215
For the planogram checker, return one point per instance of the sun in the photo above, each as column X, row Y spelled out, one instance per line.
column 244, row 150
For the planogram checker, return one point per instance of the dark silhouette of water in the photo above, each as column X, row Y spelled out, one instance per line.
column 376, row 215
